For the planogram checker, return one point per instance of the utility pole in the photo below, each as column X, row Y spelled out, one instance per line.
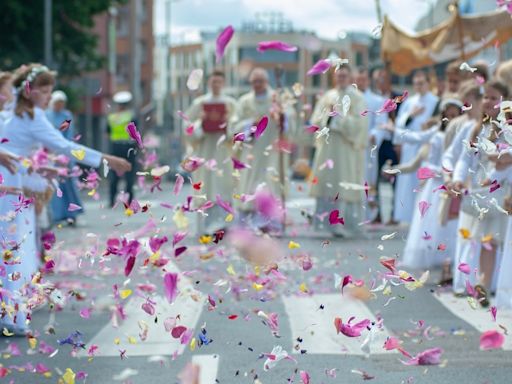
column 379, row 11
column 135, row 55
column 48, row 33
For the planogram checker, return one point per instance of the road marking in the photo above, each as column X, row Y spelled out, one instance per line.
column 479, row 318
column 158, row 341
column 208, row 367
column 315, row 326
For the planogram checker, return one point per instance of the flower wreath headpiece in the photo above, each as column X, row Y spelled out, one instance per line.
column 36, row 71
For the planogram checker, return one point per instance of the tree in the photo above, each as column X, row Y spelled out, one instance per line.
column 74, row 44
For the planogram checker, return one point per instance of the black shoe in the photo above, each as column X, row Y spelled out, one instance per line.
column 482, row 296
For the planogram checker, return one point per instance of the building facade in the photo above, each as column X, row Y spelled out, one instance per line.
column 125, row 39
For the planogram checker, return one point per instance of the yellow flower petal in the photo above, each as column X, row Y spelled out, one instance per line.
column 180, row 219
column 231, row 270
column 154, row 257
column 387, row 291
column 69, row 376
column 124, row 293
column 7, row 333
column 205, row 239
column 117, row 341
column 229, row 218
column 293, row 245
column 128, row 212
column 91, row 192
column 465, row 233
column 79, row 154
column 303, row 288
column 192, row 344
column 487, row 239
column 132, row 340
column 32, row 342
column 257, row 287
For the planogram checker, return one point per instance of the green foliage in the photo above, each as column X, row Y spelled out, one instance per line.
column 74, row 44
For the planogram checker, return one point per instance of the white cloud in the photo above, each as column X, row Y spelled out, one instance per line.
column 326, row 17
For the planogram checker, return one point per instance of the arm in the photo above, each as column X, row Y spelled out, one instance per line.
column 403, row 136
column 464, row 164
column 415, row 163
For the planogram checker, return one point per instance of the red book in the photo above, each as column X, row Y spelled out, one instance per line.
column 454, row 209
column 214, row 117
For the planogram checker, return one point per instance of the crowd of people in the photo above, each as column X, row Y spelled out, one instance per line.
column 446, row 153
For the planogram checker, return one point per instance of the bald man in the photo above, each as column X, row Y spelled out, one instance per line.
column 262, row 153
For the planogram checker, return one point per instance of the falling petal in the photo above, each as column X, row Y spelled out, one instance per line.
column 260, row 127
column 222, row 41
column 335, row 219
column 424, row 173
column 73, row 207
column 171, row 286
column 194, row 79
column 464, row 268
column 320, row 66
column 178, row 184
column 276, row 46
column 131, row 129
column 423, row 207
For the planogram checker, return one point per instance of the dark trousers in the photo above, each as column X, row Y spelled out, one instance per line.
column 386, row 152
column 127, row 151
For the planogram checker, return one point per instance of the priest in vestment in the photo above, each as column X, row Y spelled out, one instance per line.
column 260, row 156
column 339, row 163
column 212, row 120
column 415, row 111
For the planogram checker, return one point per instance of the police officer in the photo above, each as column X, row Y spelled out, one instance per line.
column 121, row 144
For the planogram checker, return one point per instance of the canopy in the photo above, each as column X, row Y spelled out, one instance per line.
column 459, row 37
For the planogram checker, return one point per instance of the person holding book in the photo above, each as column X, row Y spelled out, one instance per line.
column 212, row 117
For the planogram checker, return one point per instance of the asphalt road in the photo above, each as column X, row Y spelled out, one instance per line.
column 234, row 304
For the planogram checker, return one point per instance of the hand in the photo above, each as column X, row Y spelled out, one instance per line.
column 486, row 183
column 8, row 161
column 118, row 164
column 10, row 190
column 48, row 172
column 418, row 110
column 457, row 186
column 389, row 126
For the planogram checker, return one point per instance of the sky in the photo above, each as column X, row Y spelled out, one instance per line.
column 325, row 17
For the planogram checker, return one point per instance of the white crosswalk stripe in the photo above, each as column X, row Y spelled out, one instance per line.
column 315, row 326
column 478, row 318
column 208, row 367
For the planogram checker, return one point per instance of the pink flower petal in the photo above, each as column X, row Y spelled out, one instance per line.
column 276, row 46
column 464, row 268
column 430, row 356
column 129, row 265
column 494, row 312
column 320, row 66
column 134, row 134
column 222, row 41
column 178, row 184
column 237, row 164
column 85, row 313
column 304, row 377
column 335, row 219
column 388, row 106
column 73, row 207
column 423, row 207
column 425, row 173
column 171, row 286
column 224, row 204
column 177, row 331
column 177, row 237
column 491, row 340
column 260, row 128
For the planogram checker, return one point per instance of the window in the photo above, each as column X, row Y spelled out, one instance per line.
column 123, row 22
column 122, row 69
column 316, row 80
column 250, row 53
column 143, row 51
column 359, row 58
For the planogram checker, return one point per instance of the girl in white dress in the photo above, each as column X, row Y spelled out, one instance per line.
column 425, row 235
column 481, row 233
column 26, row 132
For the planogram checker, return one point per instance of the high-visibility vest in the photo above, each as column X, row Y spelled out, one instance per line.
column 118, row 122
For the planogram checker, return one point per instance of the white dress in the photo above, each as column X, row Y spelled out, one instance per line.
column 405, row 184
column 373, row 102
column 476, row 167
column 19, row 229
column 426, row 233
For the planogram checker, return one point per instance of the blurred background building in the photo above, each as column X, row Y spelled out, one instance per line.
column 126, row 40
column 242, row 56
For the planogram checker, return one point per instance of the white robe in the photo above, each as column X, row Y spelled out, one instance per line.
column 261, row 154
column 405, row 184
column 476, row 168
column 425, row 233
column 216, row 148
column 345, row 147
column 25, row 135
